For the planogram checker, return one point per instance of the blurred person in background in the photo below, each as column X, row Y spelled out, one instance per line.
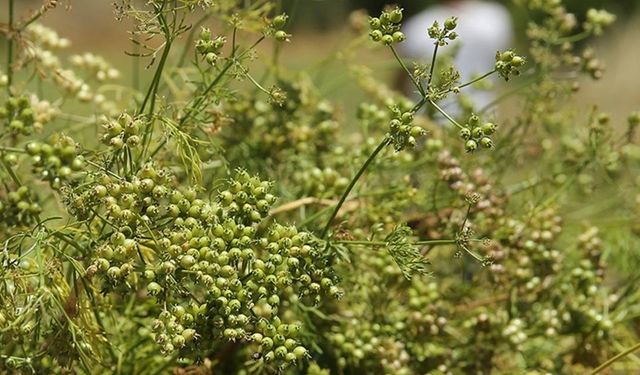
column 484, row 27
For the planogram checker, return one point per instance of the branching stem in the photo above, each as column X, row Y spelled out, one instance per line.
column 480, row 78
column 384, row 243
column 385, row 142
column 411, row 77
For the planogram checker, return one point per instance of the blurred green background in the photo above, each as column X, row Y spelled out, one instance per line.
column 324, row 14
column 320, row 28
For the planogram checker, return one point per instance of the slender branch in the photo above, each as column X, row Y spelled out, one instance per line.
column 362, row 242
column 433, row 65
column 165, row 53
column 445, row 114
column 411, row 77
column 201, row 98
column 385, row 142
column 615, row 358
column 468, row 83
column 153, row 87
column 189, row 111
column 258, row 85
column 384, row 243
column 190, row 38
column 435, row 242
column 161, row 64
column 299, row 203
column 13, row 149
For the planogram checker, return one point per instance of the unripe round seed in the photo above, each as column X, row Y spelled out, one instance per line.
column 465, row 133
column 395, row 15
column 486, row 142
column 281, row 36
column 450, row 23
column 471, row 146
column 279, row 21
column 374, row 23
column 489, row 128
column 300, row 352
column 399, row 37
column 517, row 61
column 477, row 133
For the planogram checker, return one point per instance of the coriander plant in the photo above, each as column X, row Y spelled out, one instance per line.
column 229, row 217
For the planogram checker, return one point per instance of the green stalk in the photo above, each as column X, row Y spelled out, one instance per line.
column 189, row 42
column 12, row 149
column 202, row 96
column 445, row 114
column 470, row 82
column 151, row 91
column 384, row 243
column 385, row 142
column 413, row 79
column 615, row 358
column 433, row 65
column 158, row 73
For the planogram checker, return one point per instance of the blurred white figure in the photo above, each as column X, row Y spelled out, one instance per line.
column 483, row 28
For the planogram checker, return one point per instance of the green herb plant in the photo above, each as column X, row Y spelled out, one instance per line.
column 228, row 217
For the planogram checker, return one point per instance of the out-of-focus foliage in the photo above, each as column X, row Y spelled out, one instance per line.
column 228, row 218
column 331, row 13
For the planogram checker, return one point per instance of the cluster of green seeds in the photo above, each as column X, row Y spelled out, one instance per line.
column 209, row 47
column 56, row 161
column 18, row 116
column 476, row 134
column 386, row 28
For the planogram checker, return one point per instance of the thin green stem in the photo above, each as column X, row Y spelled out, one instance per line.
column 362, row 242
column 615, row 358
column 411, row 77
column 156, row 78
column 201, row 98
column 433, row 65
column 384, row 243
column 419, row 105
column 12, row 149
column 445, row 114
column 158, row 73
column 468, row 83
column 314, row 216
column 385, row 142
column 258, row 85
column 434, row 242
column 169, row 40
column 192, row 109
column 189, row 41
column 153, row 90
column 509, row 93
